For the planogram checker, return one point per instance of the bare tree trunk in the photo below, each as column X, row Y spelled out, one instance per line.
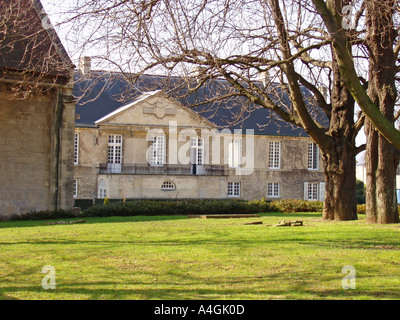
column 381, row 157
column 381, row 164
column 340, row 183
column 340, row 157
column 371, row 167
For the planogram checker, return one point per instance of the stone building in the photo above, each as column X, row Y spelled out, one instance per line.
column 37, row 112
column 157, row 145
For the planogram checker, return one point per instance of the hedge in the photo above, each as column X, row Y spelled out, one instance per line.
column 177, row 207
column 44, row 215
column 183, row 207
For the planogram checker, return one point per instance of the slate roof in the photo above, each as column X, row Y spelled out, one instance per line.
column 28, row 42
column 107, row 94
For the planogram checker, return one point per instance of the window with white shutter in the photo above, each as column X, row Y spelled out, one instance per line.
column 157, row 151
column 311, row 191
column 273, row 190
column 197, row 151
column 235, row 152
column 321, row 191
column 75, row 190
column 102, row 191
column 313, row 156
column 76, row 149
column 274, row 155
column 114, row 156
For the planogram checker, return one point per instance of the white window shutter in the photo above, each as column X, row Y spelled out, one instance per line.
column 305, row 190
column 321, row 191
column 193, row 151
column 163, row 156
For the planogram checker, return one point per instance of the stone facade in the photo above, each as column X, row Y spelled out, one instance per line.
column 37, row 116
column 28, row 161
column 218, row 177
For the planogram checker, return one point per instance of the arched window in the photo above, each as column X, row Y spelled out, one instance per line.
column 168, row 185
column 102, row 192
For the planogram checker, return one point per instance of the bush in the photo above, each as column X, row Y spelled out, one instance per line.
column 200, row 207
column 256, row 206
column 361, row 208
column 360, row 192
column 44, row 215
column 179, row 207
column 293, row 205
column 176, row 207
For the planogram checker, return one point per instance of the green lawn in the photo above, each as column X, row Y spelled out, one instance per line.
column 179, row 258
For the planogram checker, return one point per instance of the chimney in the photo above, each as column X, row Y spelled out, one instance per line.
column 85, row 65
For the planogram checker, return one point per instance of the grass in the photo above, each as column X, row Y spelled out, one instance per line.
column 172, row 257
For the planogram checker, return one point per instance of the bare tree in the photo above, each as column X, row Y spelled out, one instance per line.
column 238, row 41
column 377, row 98
column 383, row 158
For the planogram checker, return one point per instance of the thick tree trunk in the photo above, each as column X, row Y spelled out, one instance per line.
column 387, row 210
column 340, row 184
column 381, row 165
column 340, row 156
column 371, row 167
column 381, row 157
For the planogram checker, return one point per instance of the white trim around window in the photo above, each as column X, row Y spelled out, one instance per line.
column 274, row 155
column 274, row 189
column 311, row 191
column 102, row 189
column 76, row 149
column 313, row 156
column 233, row 189
column 75, row 188
column 235, row 152
column 168, row 186
column 157, row 151
column 197, row 151
column 114, row 155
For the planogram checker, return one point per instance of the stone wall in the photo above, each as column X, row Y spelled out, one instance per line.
column 27, row 159
column 291, row 175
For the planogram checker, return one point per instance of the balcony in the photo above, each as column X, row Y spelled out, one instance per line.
column 182, row 170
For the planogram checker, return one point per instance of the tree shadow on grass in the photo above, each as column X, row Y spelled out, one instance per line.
column 183, row 286
column 88, row 220
column 122, row 219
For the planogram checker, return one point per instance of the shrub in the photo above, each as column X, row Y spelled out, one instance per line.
column 361, row 208
column 176, row 207
column 186, row 207
column 167, row 207
column 44, row 215
column 256, row 206
column 360, row 192
column 293, row 205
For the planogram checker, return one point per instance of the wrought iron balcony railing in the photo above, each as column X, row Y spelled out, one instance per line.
column 168, row 169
